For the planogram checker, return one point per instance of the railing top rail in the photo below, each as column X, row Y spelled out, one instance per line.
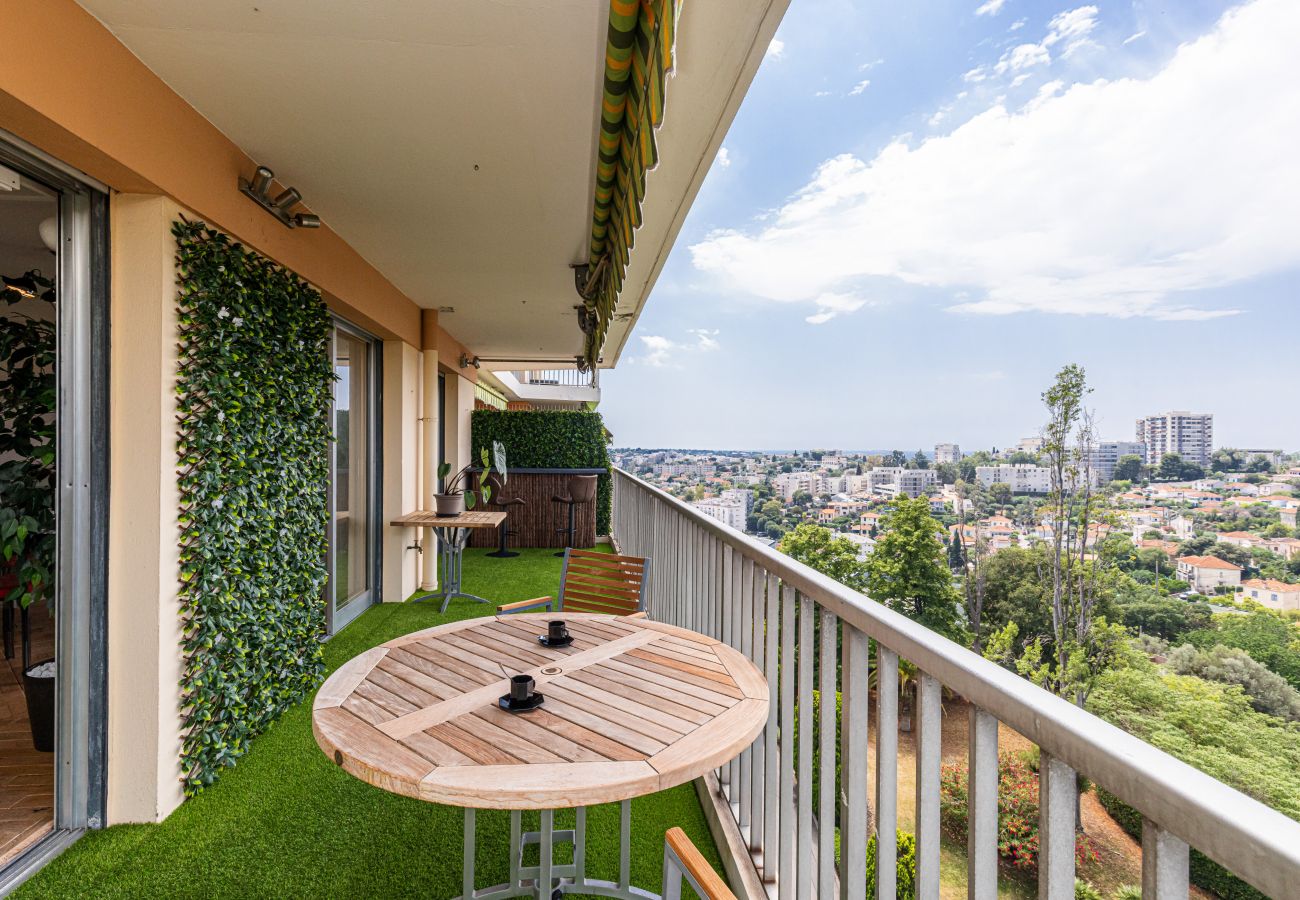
column 1255, row 841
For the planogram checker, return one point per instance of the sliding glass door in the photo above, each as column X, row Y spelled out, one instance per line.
column 354, row 520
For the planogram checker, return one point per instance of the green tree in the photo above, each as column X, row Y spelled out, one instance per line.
column 1129, row 468
column 920, row 460
column 1000, row 492
column 907, row 570
column 896, row 458
column 956, row 557
column 820, row 549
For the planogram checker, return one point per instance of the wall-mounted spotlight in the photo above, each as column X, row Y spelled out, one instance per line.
column 466, row 361
column 257, row 189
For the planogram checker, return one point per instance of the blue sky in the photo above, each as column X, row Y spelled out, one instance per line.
column 923, row 210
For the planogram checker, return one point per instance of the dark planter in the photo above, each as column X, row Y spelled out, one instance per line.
column 40, row 708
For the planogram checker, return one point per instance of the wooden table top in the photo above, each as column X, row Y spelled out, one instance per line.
column 472, row 519
column 632, row 707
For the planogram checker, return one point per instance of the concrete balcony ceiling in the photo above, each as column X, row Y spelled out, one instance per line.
column 453, row 144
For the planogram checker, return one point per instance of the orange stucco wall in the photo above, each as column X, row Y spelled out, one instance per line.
column 88, row 101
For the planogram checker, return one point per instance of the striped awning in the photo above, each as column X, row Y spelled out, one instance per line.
column 638, row 58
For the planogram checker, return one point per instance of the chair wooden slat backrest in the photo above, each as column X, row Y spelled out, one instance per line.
column 603, row 583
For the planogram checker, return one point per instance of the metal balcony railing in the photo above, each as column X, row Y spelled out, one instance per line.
column 561, row 377
column 785, row 616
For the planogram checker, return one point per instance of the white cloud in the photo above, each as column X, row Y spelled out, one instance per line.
column 1111, row 198
column 776, row 49
column 724, row 157
column 1021, row 57
column 822, row 94
column 831, row 304
column 977, row 74
column 705, row 338
column 1137, row 36
column 859, row 87
column 1018, row 24
column 1070, row 27
column 658, row 349
column 990, row 7
column 662, row 352
column 867, row 66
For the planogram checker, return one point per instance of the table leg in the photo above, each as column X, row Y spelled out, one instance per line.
column 451, row 567
column 551, row 879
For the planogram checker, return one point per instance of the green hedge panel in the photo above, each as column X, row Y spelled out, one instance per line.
column 253, row 395
column 549, row 439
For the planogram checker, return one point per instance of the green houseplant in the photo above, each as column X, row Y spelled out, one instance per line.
column 28, row 396
column 457, row 495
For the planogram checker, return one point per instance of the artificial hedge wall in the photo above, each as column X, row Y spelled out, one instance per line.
column 253, row 395
column 1202, row 871
column 549, row 439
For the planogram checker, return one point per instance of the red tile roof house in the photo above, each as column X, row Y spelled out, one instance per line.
column 1271, row 593
column 1205, row 573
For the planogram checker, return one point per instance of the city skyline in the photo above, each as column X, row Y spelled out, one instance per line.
column 878, row 219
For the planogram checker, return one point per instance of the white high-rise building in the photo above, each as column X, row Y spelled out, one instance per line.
column 1023, row 477
column 739, row 495
column 728, row 512
column 1190, row 435
column 1106, row 454
column 946, row 453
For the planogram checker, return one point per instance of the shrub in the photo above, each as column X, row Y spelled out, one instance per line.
column 1017, row 811
column 1268, row 692
column 905, row 885
column 1129, row 892
column 549, row 439
column 1083, row 890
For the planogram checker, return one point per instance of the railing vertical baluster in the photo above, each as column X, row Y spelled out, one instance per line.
column 733, row 601
column 725, row 773
column 806, row 652
column 787, row 666
column 772, row 779
column 1164, row 864
column 853, row 765
column 982, row 830
column 929, row 729
column 886, row 772
column 828, row 661
column 758, row 766
column 744, row 636
column 1058, row 795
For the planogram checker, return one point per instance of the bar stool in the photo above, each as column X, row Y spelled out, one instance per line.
column 503, row 501
column 582, row 489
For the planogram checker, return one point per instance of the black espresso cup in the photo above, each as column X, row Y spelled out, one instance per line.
column 556, row 632
column 521, row 688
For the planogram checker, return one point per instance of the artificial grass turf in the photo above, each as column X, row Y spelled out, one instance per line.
column 286, row 822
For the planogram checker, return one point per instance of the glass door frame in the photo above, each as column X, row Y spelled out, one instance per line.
column 335, row 619
column 82, row 454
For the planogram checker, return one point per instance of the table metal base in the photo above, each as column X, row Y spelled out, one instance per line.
column 550, row 879
column 451, row 565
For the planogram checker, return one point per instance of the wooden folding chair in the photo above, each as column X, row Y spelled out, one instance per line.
column 682, row 862
column 594, row 582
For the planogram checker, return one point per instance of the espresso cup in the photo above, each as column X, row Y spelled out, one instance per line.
column 521, row 687
column 555, row 631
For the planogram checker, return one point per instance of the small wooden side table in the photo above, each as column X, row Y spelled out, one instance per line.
column 451, row 534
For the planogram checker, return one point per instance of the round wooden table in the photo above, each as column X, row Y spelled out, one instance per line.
column 631, row 707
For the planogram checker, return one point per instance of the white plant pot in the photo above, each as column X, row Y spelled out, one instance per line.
column 449, row 504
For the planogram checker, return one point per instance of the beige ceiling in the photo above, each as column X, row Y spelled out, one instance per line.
column 452, row 143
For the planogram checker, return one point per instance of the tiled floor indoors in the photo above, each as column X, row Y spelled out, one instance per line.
column 26, row 775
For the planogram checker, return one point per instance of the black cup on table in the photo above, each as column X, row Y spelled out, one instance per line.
column 521, row 688
column 556, row 632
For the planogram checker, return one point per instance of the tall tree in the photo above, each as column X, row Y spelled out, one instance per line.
column 1128, row 468
column 907, row 570
column 819, row 548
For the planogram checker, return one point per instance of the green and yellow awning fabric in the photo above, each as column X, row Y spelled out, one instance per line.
column 638, row 58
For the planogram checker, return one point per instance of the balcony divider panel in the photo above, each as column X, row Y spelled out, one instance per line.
column 764, row 604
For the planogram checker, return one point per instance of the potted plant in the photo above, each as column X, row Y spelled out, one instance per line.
column 457, row 496
column 28, row 396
